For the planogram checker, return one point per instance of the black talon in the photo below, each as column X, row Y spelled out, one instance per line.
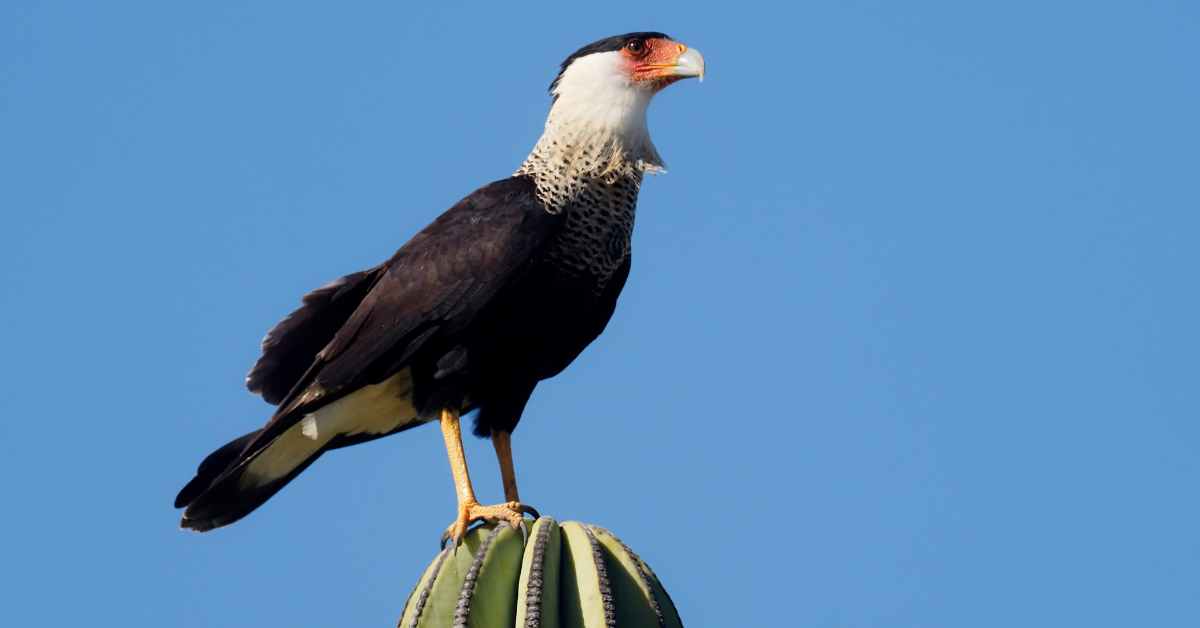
column 524, row 534
column 529, row 510
column 454, row 539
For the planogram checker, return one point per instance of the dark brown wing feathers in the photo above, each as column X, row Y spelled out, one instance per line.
column 289, row 348
column 415, row 310
column 435, row 284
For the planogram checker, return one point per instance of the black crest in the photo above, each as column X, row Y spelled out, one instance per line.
column 609, row 44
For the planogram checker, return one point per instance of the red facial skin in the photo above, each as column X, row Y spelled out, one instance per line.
column 655, row 66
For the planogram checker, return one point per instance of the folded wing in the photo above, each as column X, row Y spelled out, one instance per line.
column 345, row 353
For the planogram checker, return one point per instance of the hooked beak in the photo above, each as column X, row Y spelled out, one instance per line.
column 669, row 62
column 690, row 64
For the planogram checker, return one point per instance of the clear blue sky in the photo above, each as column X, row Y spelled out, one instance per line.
column 910, row 339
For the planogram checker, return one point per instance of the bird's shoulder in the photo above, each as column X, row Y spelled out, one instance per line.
column 457, row 262
column 502, row 213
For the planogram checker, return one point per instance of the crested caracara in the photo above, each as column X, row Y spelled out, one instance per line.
column 503, row 290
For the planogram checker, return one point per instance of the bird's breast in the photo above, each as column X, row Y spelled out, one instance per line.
column 596, row 237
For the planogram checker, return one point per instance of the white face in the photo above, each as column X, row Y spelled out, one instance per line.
column 611, row 91
column 598, row 120
column 597, row 91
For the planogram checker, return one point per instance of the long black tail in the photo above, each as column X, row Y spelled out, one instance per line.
column 223, row 491
column 213, row 466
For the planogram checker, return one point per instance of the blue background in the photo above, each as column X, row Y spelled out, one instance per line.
column 910, row 338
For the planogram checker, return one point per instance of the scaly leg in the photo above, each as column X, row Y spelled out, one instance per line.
column 502, row 441
column 469, row 509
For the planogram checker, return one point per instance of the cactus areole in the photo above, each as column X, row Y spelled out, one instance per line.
column 570, row 576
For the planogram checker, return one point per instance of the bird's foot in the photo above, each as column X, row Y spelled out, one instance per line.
column 471, row 511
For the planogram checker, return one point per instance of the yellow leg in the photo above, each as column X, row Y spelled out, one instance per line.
column 458, row 458
column 502, row 441
column 469, row 509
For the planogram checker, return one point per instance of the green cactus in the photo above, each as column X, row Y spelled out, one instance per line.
column 566, row 576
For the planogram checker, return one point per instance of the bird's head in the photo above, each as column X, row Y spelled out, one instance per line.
column 638, row 64
column 603, row 91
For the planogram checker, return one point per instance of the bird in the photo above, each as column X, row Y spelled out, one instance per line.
column 503, row 290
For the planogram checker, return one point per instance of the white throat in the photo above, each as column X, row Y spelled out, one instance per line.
column 597, row 125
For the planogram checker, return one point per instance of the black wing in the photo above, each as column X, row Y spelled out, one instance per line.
column 292, row 345
column 437, row 282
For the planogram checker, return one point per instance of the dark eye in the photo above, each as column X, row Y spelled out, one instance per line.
column 636, row 47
